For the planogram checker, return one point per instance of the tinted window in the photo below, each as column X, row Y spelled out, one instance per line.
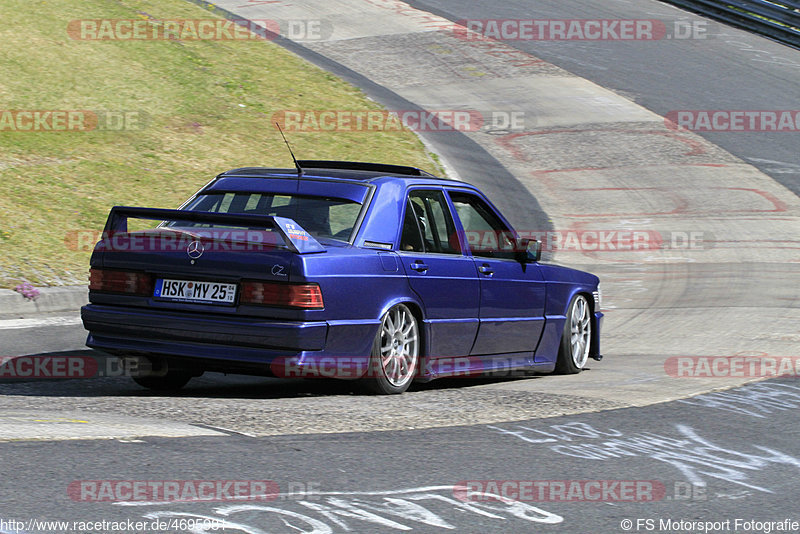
column 485, row 232
column 428, row 225
column 319, row 216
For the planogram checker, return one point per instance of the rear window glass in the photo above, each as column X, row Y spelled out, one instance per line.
column 326, row 218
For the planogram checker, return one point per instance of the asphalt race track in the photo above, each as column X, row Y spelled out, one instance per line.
column 717, row 457
column 588, row 150
column 722, row 69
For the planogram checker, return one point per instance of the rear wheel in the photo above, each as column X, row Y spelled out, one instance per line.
column 576, row 339
column 170, row 382
column 162, row 377
column 395, row 352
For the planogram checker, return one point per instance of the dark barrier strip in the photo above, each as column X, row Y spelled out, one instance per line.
column 779, row 19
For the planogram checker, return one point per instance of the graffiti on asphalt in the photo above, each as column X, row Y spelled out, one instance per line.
column 426, row 508
column 756, row 400
column 695, row 457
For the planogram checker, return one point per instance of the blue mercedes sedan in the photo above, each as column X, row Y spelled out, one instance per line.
column 381, row 273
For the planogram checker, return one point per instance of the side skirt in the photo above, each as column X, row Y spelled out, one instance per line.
column 512, row 365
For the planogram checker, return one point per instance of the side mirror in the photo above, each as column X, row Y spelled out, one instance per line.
column 528, row 250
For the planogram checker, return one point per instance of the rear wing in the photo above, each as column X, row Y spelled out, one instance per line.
column 295, row 237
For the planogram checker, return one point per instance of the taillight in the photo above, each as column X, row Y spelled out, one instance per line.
column 132, row 283
column 285, row 295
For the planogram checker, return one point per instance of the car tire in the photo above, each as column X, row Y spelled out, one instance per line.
column 170, row 382
column 163, row 378
column 576, row 339
column 395, row 353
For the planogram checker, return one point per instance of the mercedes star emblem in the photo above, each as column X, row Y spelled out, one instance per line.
column 195, row 249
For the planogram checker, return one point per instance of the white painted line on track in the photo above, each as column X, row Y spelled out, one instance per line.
column 46, row 425
column 61, row 320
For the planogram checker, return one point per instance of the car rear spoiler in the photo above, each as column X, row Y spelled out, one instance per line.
column 296, row 238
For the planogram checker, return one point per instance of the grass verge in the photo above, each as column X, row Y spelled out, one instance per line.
column 193, row 108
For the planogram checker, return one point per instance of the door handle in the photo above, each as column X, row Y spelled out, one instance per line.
column 419, row 266
column 485, row 269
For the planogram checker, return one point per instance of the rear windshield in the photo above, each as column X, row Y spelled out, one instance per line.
column 323, row 218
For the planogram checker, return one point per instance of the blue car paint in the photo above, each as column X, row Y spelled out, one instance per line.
column 563, row 284
column 512, row 325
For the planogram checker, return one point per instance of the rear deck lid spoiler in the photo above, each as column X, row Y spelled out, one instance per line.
column 296, row 238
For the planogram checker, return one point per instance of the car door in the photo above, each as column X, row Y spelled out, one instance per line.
column 439, row 272
column 512, row 293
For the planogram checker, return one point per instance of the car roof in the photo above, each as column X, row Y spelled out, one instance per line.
column 343, row 170
column 355, row 181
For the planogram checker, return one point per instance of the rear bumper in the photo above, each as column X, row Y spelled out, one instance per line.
column 225, row 343
column 148, row 324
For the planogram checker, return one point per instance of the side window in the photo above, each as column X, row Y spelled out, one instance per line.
column 343, row 217
column 411, row 239
column 428, row 225
column 486, row 234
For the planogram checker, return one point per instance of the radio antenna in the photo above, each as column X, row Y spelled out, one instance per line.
column 296, row 165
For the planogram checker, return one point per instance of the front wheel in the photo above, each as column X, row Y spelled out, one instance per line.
column 576, row 340
column 395, row 352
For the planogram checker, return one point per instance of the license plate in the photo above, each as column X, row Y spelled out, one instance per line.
column 194, row 291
